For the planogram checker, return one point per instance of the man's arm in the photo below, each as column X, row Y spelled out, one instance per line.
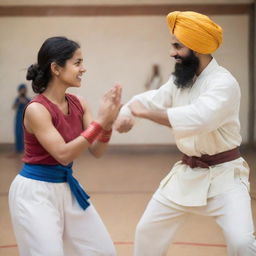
column 214, row 107
column 157, row 116
column 155, row 101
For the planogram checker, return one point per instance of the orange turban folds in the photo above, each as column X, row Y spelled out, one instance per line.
column 196, row 31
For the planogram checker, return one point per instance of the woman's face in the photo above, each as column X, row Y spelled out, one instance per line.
column 71, row 73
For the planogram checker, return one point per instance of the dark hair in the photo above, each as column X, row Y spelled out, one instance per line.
column 54, row 49
column 21, row 87
column 185, row 71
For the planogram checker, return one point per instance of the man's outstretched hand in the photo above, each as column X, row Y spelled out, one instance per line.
column 124, row 123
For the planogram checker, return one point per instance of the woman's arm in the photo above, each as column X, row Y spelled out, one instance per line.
column 38, row 121
column 98, row 148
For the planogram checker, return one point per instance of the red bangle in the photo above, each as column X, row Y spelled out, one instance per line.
column 92, row 132
column 105, row 136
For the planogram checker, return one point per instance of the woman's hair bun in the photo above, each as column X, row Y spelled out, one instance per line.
column 33, row 72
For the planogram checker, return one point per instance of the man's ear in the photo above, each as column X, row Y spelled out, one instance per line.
column 55, row 69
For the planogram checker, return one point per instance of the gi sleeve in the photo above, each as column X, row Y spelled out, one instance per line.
column 213, row 108
column 158, row 99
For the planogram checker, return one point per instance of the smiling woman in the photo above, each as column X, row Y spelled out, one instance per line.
column 58, row 127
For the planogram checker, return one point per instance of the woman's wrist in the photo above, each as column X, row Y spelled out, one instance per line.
column 92, row 132
column 105, row 136
column 105, row 125
column 108, row 126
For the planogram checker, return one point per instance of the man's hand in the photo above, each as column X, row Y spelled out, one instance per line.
column 124, row 124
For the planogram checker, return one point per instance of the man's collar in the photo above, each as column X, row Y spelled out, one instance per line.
column 212, row 65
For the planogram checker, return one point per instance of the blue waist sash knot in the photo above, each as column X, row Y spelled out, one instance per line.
column 57, row 174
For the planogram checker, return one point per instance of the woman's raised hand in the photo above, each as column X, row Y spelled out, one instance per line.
column 109, row 106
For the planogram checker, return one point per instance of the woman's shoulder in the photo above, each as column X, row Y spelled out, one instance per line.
column 36, row 109
column 78, row 100
column 74, row 96
column 39, row 105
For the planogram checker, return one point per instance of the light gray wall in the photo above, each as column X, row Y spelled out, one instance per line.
column 115, row 49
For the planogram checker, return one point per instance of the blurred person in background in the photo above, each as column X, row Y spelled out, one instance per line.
column 19, row 105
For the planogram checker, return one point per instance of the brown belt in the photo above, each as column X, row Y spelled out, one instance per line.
column 205, row 161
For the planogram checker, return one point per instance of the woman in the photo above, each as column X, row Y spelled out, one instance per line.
column 51, row 214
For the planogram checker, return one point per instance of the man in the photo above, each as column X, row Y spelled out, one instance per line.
column 200, row 102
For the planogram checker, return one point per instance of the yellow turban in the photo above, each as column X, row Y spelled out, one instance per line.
column 196, row 31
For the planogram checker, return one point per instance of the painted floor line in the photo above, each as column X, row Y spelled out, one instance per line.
column 131, row 243
column 8, row 246
column 200, row 244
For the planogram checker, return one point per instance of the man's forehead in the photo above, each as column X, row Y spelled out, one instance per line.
column 174, row 40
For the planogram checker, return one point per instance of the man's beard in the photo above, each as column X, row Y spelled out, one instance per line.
column 186, row 70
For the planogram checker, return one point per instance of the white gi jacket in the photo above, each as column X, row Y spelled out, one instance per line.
column 204, row 120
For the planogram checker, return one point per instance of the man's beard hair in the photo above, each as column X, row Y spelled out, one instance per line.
column 185, row 72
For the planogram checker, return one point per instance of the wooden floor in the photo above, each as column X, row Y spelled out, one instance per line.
column 120, row 185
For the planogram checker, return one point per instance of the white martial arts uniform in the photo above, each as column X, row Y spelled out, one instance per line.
column 48, row 221
column 204, row 120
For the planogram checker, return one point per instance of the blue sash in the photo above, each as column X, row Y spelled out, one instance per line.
column 56, row 174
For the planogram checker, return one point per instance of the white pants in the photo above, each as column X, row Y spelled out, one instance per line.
column 48, row 221
column 231, row 210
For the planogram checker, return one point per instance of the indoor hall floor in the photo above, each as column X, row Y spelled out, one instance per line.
column 120, row 185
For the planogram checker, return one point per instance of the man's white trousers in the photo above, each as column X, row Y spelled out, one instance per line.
column 231, row 211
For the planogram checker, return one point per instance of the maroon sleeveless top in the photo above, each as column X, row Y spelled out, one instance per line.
column 69, row 126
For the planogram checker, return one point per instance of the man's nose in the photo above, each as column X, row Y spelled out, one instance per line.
column 173, row 53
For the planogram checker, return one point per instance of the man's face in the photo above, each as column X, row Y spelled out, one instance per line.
column 186, row 66
column 178, row 51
